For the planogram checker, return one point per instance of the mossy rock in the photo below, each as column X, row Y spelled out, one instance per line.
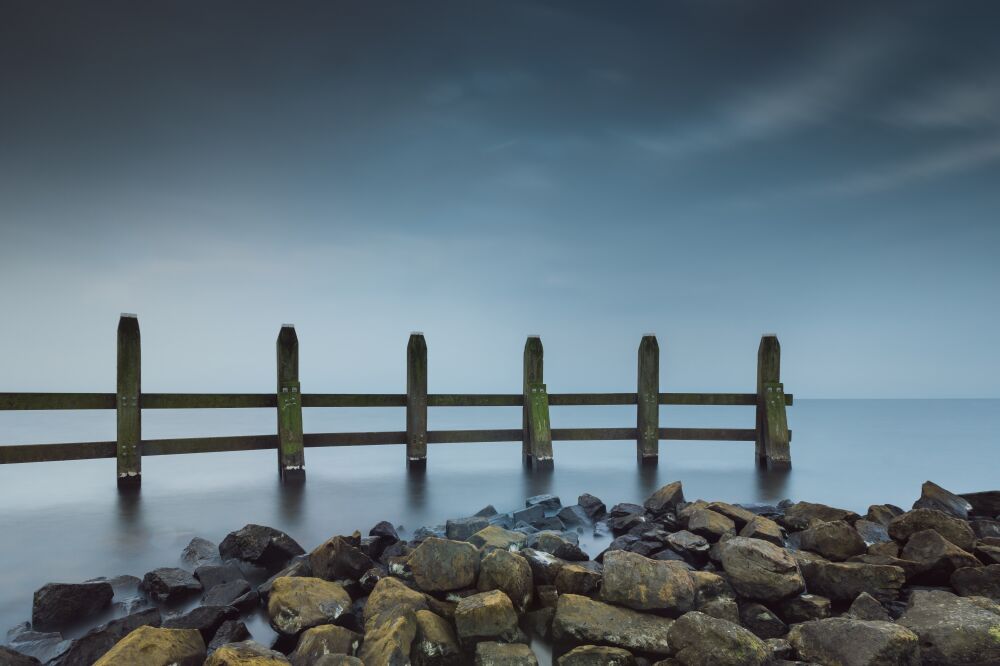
column 298, row 603
column 246, row 653
column 152, row 646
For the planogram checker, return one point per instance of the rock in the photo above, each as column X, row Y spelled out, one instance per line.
column 573, row 516
column 460, row 529
column 200, row 552
column 596, row 655
column 957, row 531
column 764, row 529
column 884, row 549
column 804, row 607
column 983, row 528
column 169, row 585
column 230, row 631
column 724, row 609
column 665, row 499
column 851, row 642
column 760, row 570
column 528, row 515
column 260, row 545
column 43, row 646
column 988, row 554
column 883, row 513
column 802, row 515
column 509, row 573
column 491, row 653
column 937, row 556
column 435, row 643
column 984, row 503
column 339, row 558
column 867, row 607
column 58, row 604
column 953, row 630
column 547, row 595
column 643, row 584
column 245, row 653
column 210, row 575
column 554, row 544
column 95, row 643
column 9, row 657
column 151, row 646
column 709, row 524
column 872, row 533
column 238, row 594
column 494, row 536
column 844, row 581
column 700, row 640
column 338, row 660
column 486, row 616
column 385, row 531
column 933, row 496
column 834, row 540
column 321, row 640
column 298, row 567
column 440, row 565
column 739, row 515
column 577, row 579
column 390, row 643
column 391, row 599
column 692, row 548
column 539, row 622
column 759, row 619
column 593, row 506
column 582, row 620
column 206, row 619
column 780, row 648
column 298, row 603
column 978, row 582
column 547, row 502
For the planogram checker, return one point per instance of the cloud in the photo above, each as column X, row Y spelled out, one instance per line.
column 970, row 104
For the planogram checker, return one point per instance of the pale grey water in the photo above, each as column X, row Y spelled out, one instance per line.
column 66, row 521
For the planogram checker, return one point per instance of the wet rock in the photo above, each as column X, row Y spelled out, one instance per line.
column 339, row 558
column 580, row 619
column 10, row 657
column 435, row 643
column 547, row 502
column 496, row 537
column 260, row 545
column 802, row 515
column 95, row 643
column 983, row 528
column 152, row 646
column 460, row 529
column 839, row 640
column 487, row 511
column 619, row 524
column 551, row 523
column 957, row 531
column 739, row 515
column 593, row 506
column 491, row 653
column 169, row 585
column 709, row 524
column 338, row 660
column 978, row 582
column 528, row 515
column 573, row 516
column 547, row 595
column 724, row 609
column 509, row 573
column 867, row 607
column 953, row 630
column 321, row 640
column 937, row 556
column 578, row 579
column 700, row 640
column 844, row 581
column 780, row 649
column 760, row 570
column 985, row 503
column 872, row 533
column 230, row 631
column 486, row 616
column 298, row 603
column 440, row 565
column 246, row 653
column 557, row 545
column 210, row 575
column 57, row 604
column 692, row 548
column 596, row 655
column 298, row 567
column 988, row 554
column 644, row 584
column 834, row 540
column 391, row 599
column 44, row 646
column 884, row 549
column 238, row 594
column 764, row 529
column 206, row 619
column 385, row 531
column 759, row 619
column 804, row 607
column 883, row 513
column 200, row 552
column 666, row 498
column 425, row 532
column 933, row 496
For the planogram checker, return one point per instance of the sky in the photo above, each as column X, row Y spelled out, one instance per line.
column 706, row 170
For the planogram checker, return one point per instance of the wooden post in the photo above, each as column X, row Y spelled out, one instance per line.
column 533, row 374
column 127, row 403
column 648, row 403
column 416, row 402
column 539, row 428
column 291, row 457
column 773, row 451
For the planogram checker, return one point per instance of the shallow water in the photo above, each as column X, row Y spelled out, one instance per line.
column 65, row 521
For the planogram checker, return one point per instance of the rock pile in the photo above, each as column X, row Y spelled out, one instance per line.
column 682, row 583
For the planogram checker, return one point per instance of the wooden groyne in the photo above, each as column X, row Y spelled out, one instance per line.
column 536, row 435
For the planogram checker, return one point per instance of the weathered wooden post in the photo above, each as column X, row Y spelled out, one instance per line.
column 648, row 401
column 533, row 374
column 773, row 449
column 539, row 427
column 291, row 457
column 127, row 403
column 416, row 402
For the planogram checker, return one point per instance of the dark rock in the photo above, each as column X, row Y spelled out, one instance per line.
column 491, row 653
column 619, row 543
column 665, row 499
column 529, row 514
column 780, row 649
column 760, row 570
column 801, row 515
column 9, row 657
column 260, row 545
column 884, row 549
column 985, row 503
column 984, row 528
column 300, row 566
column 759, row 619
column 644, row 584
column 594, row 507
column 844, row 581
column 487, row 511
column 883, row 513
column 169, row 584
column 426, row 532
column 384, row 530
column 937, row 556
column 692, row 548
column 206, row 619
column 509, row 573
column 338, row 558
column 988, row 554
column 573, row 516
column 556, row 544
column 596, row 655
column 953, row 630
column 978, row 582
column 200, row 552
column 544, row 566
column 440, row 565
column 933, row 496
column 581, row 620
column 867, row 607
column 957, row 531
column 210, row 575
column 700, row 639
column 44, row 646
column 486, row 616
column 460, row 529
column 872, row 533
column 495, row 537
column 547, row 502
column 90, row 647
column 578, row 579
column 551, row 523
column 910, row 569
column 646, row 548
column 765, row 529
column 804, row 607
column 230, row 631
column 400, row 549
column 709, row 524
column 58, row 604
column 834, row 540
column 238, row 594
column 838, row 640
column 539, row 622
column 724, row 609
column 733, row 512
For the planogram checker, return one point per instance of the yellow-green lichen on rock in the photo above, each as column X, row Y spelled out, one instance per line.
column 153, row 646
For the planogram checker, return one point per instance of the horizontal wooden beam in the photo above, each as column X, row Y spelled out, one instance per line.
column 32, row 401
column 29, row 453
column 475, row 400
column 567, row 399
column 165, row 447
column 354, row 400
column 208, row 400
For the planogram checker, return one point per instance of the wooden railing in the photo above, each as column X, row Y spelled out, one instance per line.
column 771, row 432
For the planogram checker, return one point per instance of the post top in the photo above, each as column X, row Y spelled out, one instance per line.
column 649, row 334
column 769, row 335
column 534, row 336
column 416, row 332
column 288, row 326
column 129, row 315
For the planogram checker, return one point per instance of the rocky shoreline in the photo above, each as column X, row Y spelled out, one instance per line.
column 691, row 583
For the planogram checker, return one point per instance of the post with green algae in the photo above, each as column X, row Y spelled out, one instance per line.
column 533, row 374
column 291, row 456
column 773, row 450
column 127, row 403
column 416, row 402
column 539, row 427
column 648, row 402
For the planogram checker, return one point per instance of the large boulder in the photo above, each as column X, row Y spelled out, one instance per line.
column 231, row 631
column 321, row 640
column 938, row 558
column 665, row 499
column 87, row 649
column 985, row 503
column 844, row 581
column 496, row 537
column 151, row 646
column 441, row 565
column 834, row 540
column 978, row 582
column 556, row 544
column 801, row 515
column 435, row 643
column 957, row 531
column 486, row 616
column 339, row 558
column 237, row 593
column 760, row 570
column 592, row 506
column 643, row 584
column 491, row 653
column 206, row 619
column 580, row 619
column 849, row 642
column 596, row 655
column 804, row 607
column 765, row 529
column 872, row 533
column 509, row 573
column 883, row 513
column 953, row 630
column 578, row 579
column 260, row 545
column 544, row 567
column 738, row 514
column 212, row 575
column 45, row 646
column 246, row 653
column 701, row 640
column 10, row 657
column 761, row 620
column 298, row 603
column 169, row 585
column 933, row 496
column 460, row 529
column 200, row 552
column 390, row 643
column 391, row 599
column 867, row 607
column 57, row 604
column 710, row 524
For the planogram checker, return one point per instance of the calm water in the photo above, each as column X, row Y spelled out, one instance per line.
column 66, row 522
